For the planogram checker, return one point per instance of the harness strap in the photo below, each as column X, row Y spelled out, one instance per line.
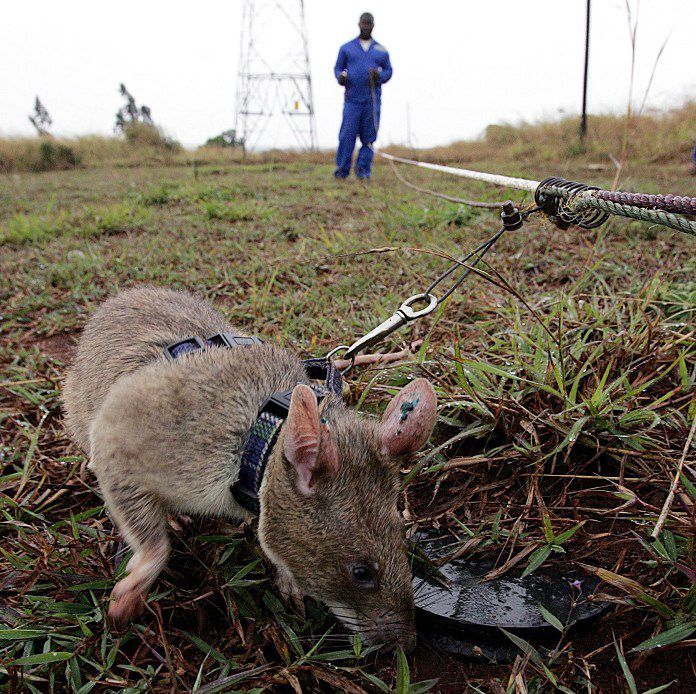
column 196, row 344
column 272, row 415
column 257, row 450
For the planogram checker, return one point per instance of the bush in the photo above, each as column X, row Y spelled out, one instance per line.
column 37, row 154
column 228, row 138
column 148, row 135
column 55, row 156
column 501, row 134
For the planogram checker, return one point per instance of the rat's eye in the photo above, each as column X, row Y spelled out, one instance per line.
column 364, row 575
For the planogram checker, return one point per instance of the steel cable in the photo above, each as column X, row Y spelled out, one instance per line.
column 442, row 196
column 573, row 203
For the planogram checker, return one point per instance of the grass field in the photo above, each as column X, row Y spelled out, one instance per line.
column 566, row 390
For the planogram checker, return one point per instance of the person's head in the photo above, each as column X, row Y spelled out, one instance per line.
column 366, row 24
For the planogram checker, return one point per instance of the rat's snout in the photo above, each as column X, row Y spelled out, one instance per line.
column 388, row 630
column 404, row 636
column 404, row 632
column 391, row 635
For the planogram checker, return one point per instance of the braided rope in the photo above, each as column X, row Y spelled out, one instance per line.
column 680, row 204
column 591, row 199
column 495, row 179
column 668, row 219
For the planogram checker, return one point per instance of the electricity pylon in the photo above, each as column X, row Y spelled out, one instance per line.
column 274, row 105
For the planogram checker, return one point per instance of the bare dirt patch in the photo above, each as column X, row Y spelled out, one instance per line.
column 60, row 346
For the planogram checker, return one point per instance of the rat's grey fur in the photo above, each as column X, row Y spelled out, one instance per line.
column 167, row 436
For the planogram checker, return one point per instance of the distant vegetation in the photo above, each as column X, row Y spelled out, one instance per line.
column 130, row 112
column 228, row 138
column 657, row 137
column 139, row 140
column 149, row 136
column 41, row 118
column 140, row 143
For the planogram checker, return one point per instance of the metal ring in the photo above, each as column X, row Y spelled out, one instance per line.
column 411, row 314
column 349, row 367
column 337, row 349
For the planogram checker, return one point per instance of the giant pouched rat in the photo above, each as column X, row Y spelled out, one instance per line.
column 167, row 436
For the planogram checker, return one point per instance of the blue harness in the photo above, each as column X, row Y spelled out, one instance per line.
column 272, row 415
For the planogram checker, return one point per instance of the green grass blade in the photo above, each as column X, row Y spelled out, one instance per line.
column 665, row 638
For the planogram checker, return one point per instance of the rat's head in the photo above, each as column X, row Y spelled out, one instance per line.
column 329, row 517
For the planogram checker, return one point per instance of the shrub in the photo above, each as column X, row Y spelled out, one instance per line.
column 37, row 154
column 55, row 156
column 228, row 138
column 148, row 135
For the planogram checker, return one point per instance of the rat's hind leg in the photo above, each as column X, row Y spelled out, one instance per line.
column 142, row 521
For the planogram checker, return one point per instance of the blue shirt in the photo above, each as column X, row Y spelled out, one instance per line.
column 357, row 64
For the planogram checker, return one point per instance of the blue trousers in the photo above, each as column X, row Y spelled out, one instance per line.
column 358, row 120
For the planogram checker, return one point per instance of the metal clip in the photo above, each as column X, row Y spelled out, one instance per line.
column 404, row 314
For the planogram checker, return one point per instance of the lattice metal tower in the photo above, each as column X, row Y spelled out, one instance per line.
column 274, row 105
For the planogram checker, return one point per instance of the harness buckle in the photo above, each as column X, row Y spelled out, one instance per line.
column 232, row 340
column 278, row 404
column 190, row 344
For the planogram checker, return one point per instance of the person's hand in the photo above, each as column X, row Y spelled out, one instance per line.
column 343, row 78
column 375, row 78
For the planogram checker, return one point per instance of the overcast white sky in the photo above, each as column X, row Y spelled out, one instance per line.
column 459, row 64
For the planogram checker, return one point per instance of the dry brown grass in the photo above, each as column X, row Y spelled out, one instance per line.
column 654, row 137
column 140, row 144
column 657, row 137
column 29, row 154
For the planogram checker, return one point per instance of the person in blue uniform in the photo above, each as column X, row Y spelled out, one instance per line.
column 362, row 68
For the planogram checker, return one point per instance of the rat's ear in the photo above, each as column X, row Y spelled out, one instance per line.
column 409, row 419
column 308, row 445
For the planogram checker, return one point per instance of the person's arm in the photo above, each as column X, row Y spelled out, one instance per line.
column 386, row 71
column 341, row 65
